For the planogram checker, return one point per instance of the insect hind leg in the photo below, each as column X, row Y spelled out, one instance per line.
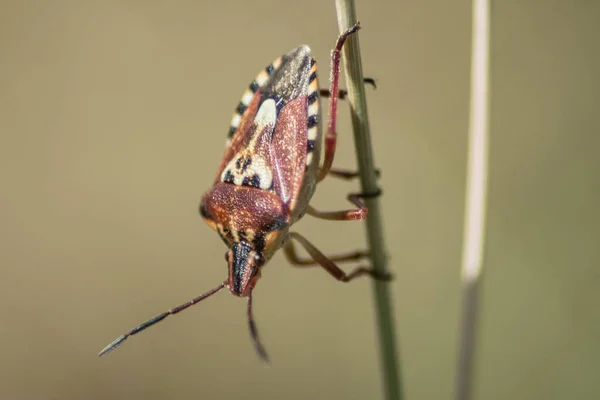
column 297, row 261
column 327, row 264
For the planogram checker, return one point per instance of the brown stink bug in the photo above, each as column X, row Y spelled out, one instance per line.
column 268, row 175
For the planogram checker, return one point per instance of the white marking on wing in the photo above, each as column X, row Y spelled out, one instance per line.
column 252, row 164
column 235, row 121
column 309, row 157
column 266, row 114
column 258, row 166
column 262, row 78
column 247, row 97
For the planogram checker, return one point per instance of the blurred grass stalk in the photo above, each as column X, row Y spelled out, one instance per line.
column 362, row 141
column 475, row 198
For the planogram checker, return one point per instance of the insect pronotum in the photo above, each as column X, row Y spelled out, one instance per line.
column 268, row 175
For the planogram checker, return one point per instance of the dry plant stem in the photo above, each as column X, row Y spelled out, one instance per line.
column 368, row 179
column 475, row 207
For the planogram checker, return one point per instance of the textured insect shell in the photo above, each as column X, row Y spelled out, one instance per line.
column 270, row 129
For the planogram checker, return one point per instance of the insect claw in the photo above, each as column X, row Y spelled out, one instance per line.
column 355, row 28
column 343, row 93
column 371, row 82
column 371, row 195
column 381, row 276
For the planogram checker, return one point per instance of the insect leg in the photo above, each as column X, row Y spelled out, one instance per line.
column 345, row 215
column 118, row 341
column 347, row 174
column 329, row 265
column 342, row 93
column 292, row 256
column 331, row 137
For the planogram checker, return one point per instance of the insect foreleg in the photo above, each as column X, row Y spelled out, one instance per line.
column 347, row 174
column 342, row 93
column 331, row 137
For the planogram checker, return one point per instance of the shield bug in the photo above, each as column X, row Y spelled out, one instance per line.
column 268, row 175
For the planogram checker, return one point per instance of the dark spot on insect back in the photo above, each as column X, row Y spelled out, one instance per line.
column 312, row 62
column 254, row 86
column 312, row 77
column 241, row 108
column 242, row 163
column 231, row 131
column 312, row 121
column 313, row 97
column 228, row 177
column 310, row 146
column 247, row 163
column 270, row 69
column 252, row 182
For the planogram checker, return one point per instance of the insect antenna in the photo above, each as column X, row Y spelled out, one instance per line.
column 254, row 333
column 118, row 341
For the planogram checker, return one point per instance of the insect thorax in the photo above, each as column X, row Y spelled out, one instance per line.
column 242, row 213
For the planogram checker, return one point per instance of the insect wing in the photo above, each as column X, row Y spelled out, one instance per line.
column 244, row 114
column 274, row 132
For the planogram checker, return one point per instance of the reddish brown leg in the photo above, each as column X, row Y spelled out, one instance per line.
column 347, row 174
column 328, row 264
column 292, row 255
column 330, row 138
column 342, row 93
column 345, row 215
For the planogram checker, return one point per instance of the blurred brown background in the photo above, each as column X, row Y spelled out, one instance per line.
column 113, row 117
